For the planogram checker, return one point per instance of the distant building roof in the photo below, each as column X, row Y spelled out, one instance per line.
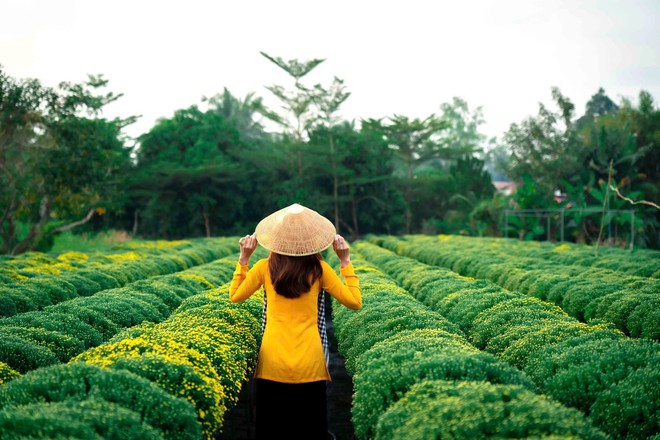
column 505, row 187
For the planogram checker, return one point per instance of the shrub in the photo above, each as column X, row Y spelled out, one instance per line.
column 179, row 370
column 98, row 275
column 577, row 375
column 382, row 320
column 170, row 295
column 7, row 373
column 57, row 321
column 84, row 286
column 463, row 306
column 77, row 381
column 69, row 420
column 64, row 347
column 13, row 301
column 514, row 312
column 470, row 410
column 523, row 341
column 629, row 409
column 644, row 320
column 386, row 371
column 55, row 287
column 76, row 308
column 122, row 309
column 213, row 338
column 582, row 292
column 23, row 355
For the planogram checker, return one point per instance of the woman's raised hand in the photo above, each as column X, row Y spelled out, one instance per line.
column 341, row 249
column 248, row 245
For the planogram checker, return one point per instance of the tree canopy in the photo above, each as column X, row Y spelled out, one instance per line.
column 214, row 169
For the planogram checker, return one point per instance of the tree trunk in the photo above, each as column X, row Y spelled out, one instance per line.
column 28, row 242
column 335, row 182
column 207, row 223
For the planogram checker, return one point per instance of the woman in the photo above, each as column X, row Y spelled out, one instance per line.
column 291, row 371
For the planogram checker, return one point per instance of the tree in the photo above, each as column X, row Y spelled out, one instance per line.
column 328, row 101
column 546, row 147
column 187, row 180
column 367, row 195
column 298, row 114
column 415, row 142
column 57, row 168
column 599, row 105
column 462, row 135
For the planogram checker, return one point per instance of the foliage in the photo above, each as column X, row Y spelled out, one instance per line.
column 388, row 370
column 60, row 164
column 474, row 409
column 79, row 382
column 86, row 419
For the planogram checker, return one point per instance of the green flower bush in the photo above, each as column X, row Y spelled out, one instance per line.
column 56, row 321
column 86, row 419
column 387, row 370
column 64, row 347
column 590, row 367
column 172, row 416
column 438, row 409
column 628, row 409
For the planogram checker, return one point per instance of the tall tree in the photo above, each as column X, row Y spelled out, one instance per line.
column 415, row 142
column 187, row 165
column 369, row 200
column 546, row 147
column 328, row 102
column 57, row 166
column 462, row 136
column 298, row 113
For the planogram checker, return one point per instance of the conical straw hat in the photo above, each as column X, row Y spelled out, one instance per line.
column 295, row 231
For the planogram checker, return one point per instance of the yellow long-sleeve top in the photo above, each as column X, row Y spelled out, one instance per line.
column 291, row 349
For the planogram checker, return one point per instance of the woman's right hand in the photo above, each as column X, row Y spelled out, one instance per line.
column 248, row 245
column 341, row 249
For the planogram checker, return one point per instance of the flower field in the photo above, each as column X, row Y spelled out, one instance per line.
column 458, row 337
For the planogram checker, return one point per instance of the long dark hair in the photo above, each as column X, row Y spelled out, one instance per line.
column 293, row 276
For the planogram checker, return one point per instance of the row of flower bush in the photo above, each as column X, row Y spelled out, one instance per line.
column 30, row 264
column 43, row 288
column 587, row 293
column 416, row 376
column 175, row 379
column 613, row 379
column 57, row 333
column 637, row 262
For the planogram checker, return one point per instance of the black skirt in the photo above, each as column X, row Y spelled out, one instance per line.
column 291, row 411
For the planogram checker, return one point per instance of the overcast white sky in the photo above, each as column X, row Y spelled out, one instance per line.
column 396, row 57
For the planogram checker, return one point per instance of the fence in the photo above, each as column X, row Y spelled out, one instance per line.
column 561, row 215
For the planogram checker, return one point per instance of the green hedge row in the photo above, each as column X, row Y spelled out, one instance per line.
column 178, row 377
column 632, row 303
column 34, row 264
column 43, row 290
column 592, row 368
column 394, row 344
column 57, row 333
column 640, row 262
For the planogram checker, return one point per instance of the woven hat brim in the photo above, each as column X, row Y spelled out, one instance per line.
column 295, row 231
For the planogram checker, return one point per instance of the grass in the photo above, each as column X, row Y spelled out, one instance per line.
column 102, row 241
